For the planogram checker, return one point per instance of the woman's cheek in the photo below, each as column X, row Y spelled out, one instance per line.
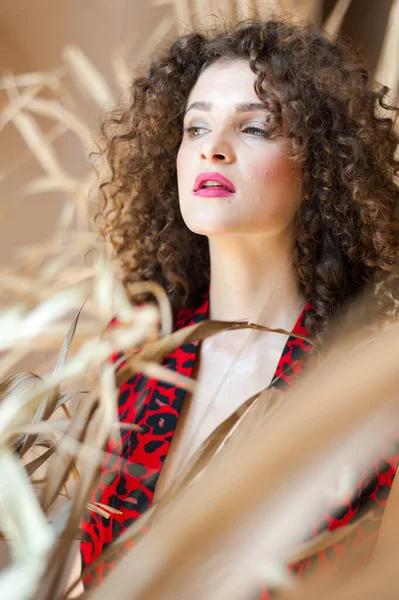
column 182, row 174
column 276, row 186
column 271, row 165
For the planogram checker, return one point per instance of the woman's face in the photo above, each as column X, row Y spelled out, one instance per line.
column 221, row 137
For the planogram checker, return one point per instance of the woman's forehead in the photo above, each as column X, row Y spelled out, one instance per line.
column 226, row 83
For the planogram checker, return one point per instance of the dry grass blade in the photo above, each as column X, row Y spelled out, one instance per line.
column 53, row 398
column 225, row 8
column 24, row 156
column 17, row 326
column 203, row 456
column 156, row 350
column 265, row 407
column 55, row 110
column 93, row 407
column 87, row 75
column 69, row 276
column 20, row 102
column 33, row 136
column 41, row 427
column 32, row 466
column 387, row 70
column 267, row 8
column 162, row 299
column 201, row 9
column 18, row 382
column 241, row 10
column 49, row 404
column 53, row 338
column 16, row 410
column 16, row 284
column 39, row 145
column 183, row 15
column 253, row 9
column 30, row 539
column 51, row 184
column 58, row 472
column 32, row 290
column 328, row 538
column 155, row 371
column 122, row 72
column 56, row 250
column 319, row 409
column 346, row 581
column 96, row 420
column 309, row 10
column 250, row 419
column 335, row 19
column 98, row 510
column 62, row 400
column 196, row 464
column 31, row 79
column 58, row 268
column 157, row 35
column 108, row 509
column 60, row 468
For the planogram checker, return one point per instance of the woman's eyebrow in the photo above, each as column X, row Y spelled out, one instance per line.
column 241, row 107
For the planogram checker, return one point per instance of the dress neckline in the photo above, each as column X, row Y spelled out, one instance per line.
column 291, row 359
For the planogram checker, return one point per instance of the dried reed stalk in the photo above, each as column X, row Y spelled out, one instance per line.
column 307, row 10
column 183, row 15
column 387, row 70
column 319, row 411
column 87, row 76
column 334, row 21
column 245, row 9
column 266, row 8
column 226, row 8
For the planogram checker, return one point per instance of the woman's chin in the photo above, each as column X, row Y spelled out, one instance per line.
column 214, row 229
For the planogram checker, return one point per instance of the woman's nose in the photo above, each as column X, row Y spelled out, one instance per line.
column 217, row 148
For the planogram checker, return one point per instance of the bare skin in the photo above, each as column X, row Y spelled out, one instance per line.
column 75, row 573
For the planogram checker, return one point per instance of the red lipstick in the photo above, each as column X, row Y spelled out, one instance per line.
column 224, row 186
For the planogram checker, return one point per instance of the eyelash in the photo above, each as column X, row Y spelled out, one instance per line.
column 264, row 133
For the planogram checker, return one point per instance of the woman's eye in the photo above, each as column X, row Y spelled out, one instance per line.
column 259, row 132
column 191, row 130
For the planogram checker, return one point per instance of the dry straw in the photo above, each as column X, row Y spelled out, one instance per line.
column 201, row 542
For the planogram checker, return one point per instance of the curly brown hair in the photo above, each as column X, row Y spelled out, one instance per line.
column 347, row 228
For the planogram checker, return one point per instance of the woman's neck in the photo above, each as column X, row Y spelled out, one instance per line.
column 253, row 278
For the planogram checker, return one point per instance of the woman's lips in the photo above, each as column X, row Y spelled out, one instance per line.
column 224, row 186
column 213, row 192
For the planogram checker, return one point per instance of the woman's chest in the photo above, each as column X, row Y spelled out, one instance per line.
column 222, row 387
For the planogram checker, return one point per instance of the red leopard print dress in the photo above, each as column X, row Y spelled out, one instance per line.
column 130, row 473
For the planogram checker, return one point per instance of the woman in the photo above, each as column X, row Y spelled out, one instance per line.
column 253, row 179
